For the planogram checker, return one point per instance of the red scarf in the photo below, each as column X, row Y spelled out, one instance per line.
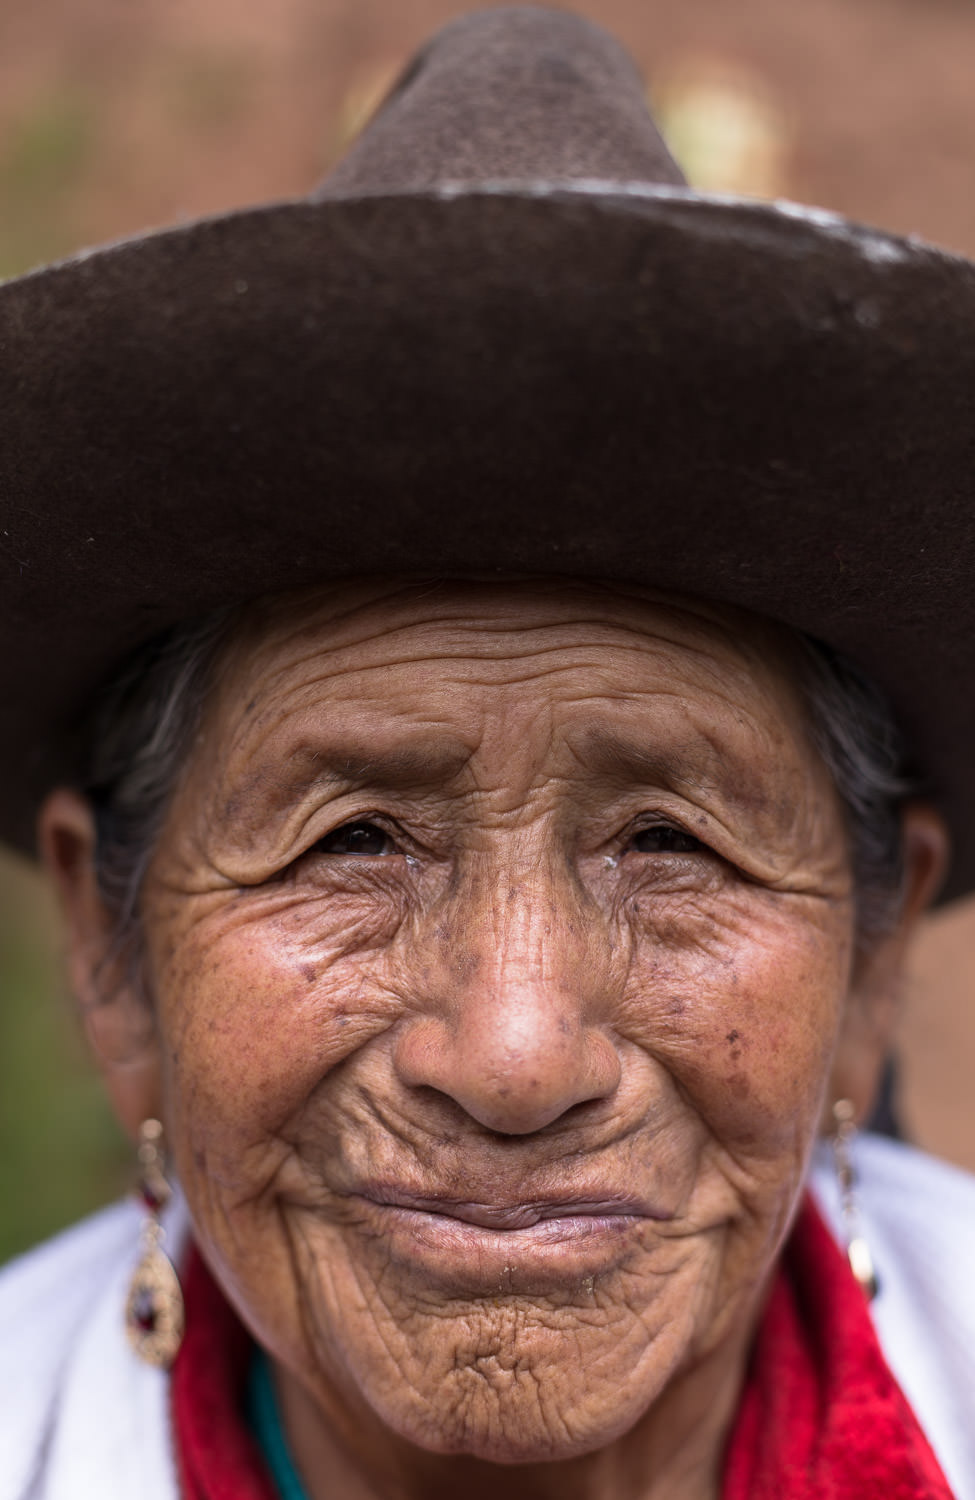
column 821, row 1415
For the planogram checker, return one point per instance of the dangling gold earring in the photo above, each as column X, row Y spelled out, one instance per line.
column 154, row 1313
column 857, row 1249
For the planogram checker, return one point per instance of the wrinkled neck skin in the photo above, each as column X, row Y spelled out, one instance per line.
column 500, row 939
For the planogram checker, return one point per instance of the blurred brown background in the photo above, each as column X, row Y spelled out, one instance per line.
column 121, row 115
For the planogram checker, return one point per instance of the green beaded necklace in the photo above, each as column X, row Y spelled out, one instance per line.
column 264, row 1420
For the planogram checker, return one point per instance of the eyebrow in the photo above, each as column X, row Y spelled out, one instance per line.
column 425, row 763
column 628, row 760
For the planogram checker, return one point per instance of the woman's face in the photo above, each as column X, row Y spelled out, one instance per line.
column 499, row 941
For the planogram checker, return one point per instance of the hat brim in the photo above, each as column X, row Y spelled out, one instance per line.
column 748, row 402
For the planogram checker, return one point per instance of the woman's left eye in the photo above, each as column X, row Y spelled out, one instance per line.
column 356, row 838
column 662, row 838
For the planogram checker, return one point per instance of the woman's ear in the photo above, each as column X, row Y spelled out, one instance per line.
column 872, row 1004
column 102, row 973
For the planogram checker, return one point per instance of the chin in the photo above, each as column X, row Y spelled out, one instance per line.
column 518, row 1429
column 519, row 1411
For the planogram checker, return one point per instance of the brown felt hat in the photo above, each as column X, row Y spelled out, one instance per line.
column 503, row 335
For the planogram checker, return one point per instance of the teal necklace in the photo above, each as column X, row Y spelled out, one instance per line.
column 264, row 1421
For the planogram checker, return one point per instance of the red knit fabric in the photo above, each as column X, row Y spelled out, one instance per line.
column 216, row 1455
column 821, row 1415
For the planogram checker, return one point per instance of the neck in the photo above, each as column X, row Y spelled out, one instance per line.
column 674, row 1452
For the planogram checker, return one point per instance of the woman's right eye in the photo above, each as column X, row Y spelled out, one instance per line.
column 356, row 838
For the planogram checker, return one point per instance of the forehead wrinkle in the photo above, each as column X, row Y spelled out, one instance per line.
column 292, row 701
column 316, row 627
column 710, row 658
column 669, row 624
column 460, row 601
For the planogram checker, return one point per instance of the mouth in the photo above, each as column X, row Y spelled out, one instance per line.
column 515, row 1217
column 470, row 1247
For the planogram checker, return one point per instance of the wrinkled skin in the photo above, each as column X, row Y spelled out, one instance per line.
column 500, row 947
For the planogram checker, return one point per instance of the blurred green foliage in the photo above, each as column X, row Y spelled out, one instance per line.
column 47, row 148
column 43, row 156
column 61, row 1153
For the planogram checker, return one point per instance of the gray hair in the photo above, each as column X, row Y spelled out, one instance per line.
column 139, row 738
column 149, row 717
column 855, row 730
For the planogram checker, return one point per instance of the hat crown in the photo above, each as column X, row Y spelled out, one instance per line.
column 513, row 94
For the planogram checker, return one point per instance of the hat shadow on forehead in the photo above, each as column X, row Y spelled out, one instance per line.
column 510, row 95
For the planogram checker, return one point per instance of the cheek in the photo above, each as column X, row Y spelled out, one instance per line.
column 256, row 1009
column 741, row 1002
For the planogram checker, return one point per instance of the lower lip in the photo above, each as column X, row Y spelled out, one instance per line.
column 559, row 1251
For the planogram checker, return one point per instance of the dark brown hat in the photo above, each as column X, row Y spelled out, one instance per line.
column 503, row 336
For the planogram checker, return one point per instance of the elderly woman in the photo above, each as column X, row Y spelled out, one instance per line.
column 431, row 617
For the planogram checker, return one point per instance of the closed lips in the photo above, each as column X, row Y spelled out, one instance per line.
column 515, row 1216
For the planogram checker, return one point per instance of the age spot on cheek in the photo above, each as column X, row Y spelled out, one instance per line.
column 465, row 965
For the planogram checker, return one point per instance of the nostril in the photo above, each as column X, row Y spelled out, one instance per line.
column 512, row 1081
column 446, row 1119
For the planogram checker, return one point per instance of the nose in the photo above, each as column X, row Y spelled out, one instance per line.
column 511, row 1027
